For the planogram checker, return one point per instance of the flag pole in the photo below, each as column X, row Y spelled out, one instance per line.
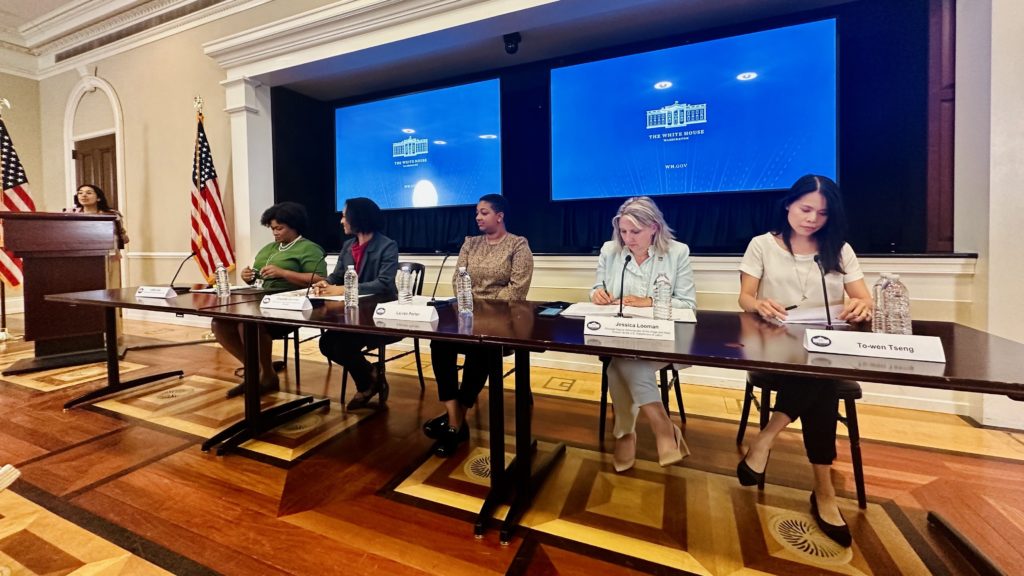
column 4, row 334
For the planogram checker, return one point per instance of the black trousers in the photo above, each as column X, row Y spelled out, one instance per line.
column 815, row 401
column 346, row 350
column 475, row 369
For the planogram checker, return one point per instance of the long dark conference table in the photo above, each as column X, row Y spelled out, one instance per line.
column 975, row 362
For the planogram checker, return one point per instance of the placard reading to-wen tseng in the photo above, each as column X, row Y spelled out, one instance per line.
column 646, row 328
column 905, row 347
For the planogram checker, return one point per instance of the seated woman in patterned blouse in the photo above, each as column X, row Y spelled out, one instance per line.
column 501, row 267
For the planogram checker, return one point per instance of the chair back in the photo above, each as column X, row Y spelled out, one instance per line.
column 418, row 272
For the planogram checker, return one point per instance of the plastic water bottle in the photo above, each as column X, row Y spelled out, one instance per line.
column 222, row 285
column 662, row 298
column 351, row 287
column 878, row 294
column 897, row 307
column 404, row 282
column 464, row 291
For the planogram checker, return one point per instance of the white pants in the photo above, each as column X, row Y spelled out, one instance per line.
column 632, row 383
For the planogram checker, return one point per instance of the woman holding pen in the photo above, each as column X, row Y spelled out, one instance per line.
column 641, row 248
column 779, row 272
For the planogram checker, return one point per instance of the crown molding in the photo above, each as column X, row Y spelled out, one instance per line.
column 71, row 17
column 48, row 66
column 16, row 62
column 323, row 27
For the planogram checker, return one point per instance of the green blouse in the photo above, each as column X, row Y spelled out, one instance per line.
column 303, row 256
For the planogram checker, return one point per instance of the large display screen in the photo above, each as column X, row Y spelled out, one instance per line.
column 435, row 148
column 750, row 112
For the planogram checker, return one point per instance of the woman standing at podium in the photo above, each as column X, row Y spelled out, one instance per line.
column 641, row 248
column 90, row 199
column 778, row 273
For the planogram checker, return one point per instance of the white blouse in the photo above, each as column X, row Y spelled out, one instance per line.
column 794, row 279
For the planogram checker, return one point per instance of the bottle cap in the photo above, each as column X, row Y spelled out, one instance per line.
column 351, row 267
column 462, row 269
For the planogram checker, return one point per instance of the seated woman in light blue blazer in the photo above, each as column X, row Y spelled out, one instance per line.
column 640, row 232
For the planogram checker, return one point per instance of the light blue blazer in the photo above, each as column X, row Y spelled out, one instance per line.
column 639, row 280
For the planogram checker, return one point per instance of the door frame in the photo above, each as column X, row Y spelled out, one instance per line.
column 87, row 84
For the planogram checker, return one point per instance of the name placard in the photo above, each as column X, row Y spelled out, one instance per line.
column 646, row 328
column 411, row 312
column 286, row 301
column 870, row 344
column 405, row 324
column 155, row 292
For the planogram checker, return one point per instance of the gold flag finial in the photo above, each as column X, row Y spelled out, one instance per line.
column 197, row 103
column 4, row 102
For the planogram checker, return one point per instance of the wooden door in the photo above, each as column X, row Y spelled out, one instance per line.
column 96, row 163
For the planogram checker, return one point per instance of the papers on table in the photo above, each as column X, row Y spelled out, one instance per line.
column 588, row 309
column 815, row 315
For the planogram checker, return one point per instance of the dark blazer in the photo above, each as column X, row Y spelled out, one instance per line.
column 380, row 264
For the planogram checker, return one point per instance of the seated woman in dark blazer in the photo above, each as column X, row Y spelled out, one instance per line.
column 375, row 257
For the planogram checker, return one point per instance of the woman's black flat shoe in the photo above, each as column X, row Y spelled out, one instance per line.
column 449, row 441
column 840, row 534
column 747, row 476
column 435, row 426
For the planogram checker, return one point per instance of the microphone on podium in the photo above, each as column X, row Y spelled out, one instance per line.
column 181, row 289
column 824, row 292
column 622, row 283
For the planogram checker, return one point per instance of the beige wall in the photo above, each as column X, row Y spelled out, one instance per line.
column 23, row 123
column 154, row 84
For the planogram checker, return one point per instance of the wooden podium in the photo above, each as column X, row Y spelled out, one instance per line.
column 61, row 252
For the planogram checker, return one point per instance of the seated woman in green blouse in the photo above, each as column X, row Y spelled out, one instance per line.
column 289, row 262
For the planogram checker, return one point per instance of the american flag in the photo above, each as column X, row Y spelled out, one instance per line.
column 16, row 198
column 210, row 240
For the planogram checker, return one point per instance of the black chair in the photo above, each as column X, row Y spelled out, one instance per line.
column 380, row 352
column 849, row 391
column 664, row 383
column 293, row 336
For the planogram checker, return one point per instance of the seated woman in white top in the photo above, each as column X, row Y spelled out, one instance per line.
column 777, row 272
column 641, row 234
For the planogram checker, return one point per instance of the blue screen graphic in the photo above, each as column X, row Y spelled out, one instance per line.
column 751, row 112
column 436, row 148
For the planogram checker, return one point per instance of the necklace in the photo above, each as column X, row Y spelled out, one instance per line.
column 282, row 247
column 803, row 281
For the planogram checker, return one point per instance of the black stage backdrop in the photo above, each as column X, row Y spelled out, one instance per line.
column 883, row 63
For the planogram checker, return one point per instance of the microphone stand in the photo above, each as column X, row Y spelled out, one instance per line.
column 312, row 275
column 622, row 284
column 434, row 301
column 181, row 289
column 824, row 292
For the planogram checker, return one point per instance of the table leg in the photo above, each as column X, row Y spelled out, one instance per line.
column 530, row 472
column 499, row 475
column 114, row 383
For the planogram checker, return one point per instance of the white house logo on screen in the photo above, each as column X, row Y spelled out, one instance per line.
column 821, row 341
column 677, row 115
column 593, row 325
column 409, row 147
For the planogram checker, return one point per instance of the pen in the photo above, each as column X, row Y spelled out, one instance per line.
column 603, row 285
column 788, row 308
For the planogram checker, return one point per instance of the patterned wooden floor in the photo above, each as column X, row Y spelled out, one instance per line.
column 368, row 500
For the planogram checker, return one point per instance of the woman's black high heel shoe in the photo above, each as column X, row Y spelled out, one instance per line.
column 450, row 439
column 840, row 534
column 747, row 475
column 435, row 426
